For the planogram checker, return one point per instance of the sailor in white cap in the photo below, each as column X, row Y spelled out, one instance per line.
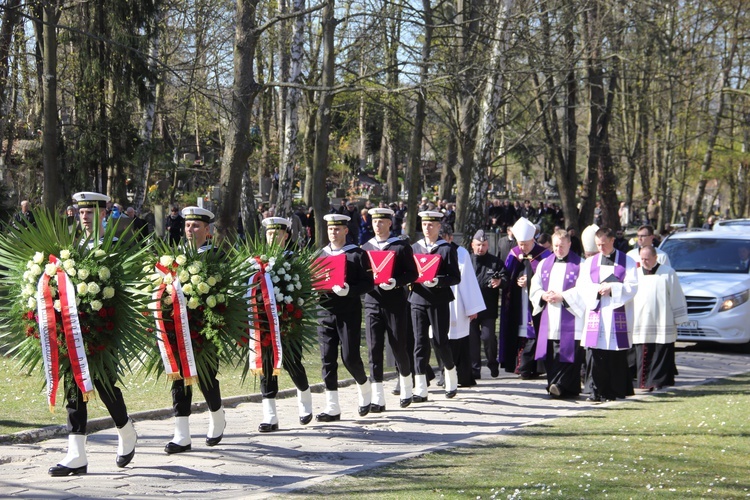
column 92, row 207
column 278, row 232
column 340, row 320
column 518, row 327
column 386, row 310
column 429, row 308
column 197, row 229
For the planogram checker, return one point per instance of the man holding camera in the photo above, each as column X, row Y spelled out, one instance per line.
column 492, row 277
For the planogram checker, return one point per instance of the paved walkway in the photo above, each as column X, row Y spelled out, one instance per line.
column 251, row 465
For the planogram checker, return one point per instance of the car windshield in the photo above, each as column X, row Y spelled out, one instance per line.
column 708, row 255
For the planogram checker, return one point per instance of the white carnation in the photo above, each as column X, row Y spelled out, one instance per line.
column 275, row 279
column 276, row 290
column 287, row 266
column 27, row 276
column 295, row 277
column 28, row 290
column 31, row 304
column 281, row 271
column 288, row 299
column 290, row 288
column 279, row 297
column 298, row 285
column 300, row 301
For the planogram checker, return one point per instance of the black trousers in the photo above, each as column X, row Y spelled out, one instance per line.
column 462, row 359
column 610, row 375
column 528, row 366
column 422, row 318
column 78, row 412
column 567, row 376
column 182, row 395
column 482, row 331
column 291, row 361
column 344, row 329
column 392, row 322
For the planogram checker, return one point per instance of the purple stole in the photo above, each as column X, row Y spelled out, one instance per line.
column 567, row 319
column 619, row 317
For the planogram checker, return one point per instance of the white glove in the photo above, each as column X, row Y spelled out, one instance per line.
column 431, row 283
column 389, row 285
column 341, row 291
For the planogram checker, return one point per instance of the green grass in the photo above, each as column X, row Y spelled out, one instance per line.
column 693, row 443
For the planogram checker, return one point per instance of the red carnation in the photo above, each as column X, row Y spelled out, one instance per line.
column 30, row 331
column 102, row 312
column 111, row 311
column 149, row 330
column 290, row 307
column 30, row 315
column 81, row 314
column 298, row 314
column 99, row 328
column 109, row 326
column 194, row 334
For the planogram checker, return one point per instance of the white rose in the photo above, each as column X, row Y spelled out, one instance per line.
column 71, row 272
column 194, row 268
column 217, row 277
column 193, row 303
column 57, row 306
column 36, row 270
column 78, row 301
column 100, row 253
column 187, row 289
column 169, row 289
column 29, row 290
column 108, row 292
column 184, row 276
column 82, row 288
column 96, row 305
column 64, row 254
column 27, row 276
column 211, row 281
column 166, row 260
column 203, row 288
column 94, row 288
column 83, row 274
column 195, row 279
column 168, row 278
column 31, row 304
column 220, row 297
column 104, row 273
column 211, row 301
column 181, row 259
column 68, row 264
column 38, row 258
column 50, row 269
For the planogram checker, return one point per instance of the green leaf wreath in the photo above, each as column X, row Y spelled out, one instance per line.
column 104, row 276
column 291, row 273
column 216, row 315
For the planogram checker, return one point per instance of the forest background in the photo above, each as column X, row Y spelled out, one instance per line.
column 303, row 101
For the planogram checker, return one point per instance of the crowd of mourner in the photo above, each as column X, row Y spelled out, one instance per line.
column 586, row 313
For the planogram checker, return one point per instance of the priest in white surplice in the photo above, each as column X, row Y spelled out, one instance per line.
column 468, row 303
column 659, row 307
column 553, row 295
column 606, row 285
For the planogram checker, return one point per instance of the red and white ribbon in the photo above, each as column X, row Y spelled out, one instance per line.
column 181, row 328
column 72, row 331
column 255, row 328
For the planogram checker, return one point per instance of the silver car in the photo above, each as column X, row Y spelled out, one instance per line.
column 713, row 269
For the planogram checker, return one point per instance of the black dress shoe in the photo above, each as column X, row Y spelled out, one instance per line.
column 451, row 394
column 419, row 399
column 60, row 470
column 377, row 408
column 494, row 372
column 176, row 448
column 554, row 391
column 123, row 460
column 363, row 410
column 264, row 427
column 325, row 417
column 306, row 419
column 403, row 403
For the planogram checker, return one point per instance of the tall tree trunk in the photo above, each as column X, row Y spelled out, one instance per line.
column 323, row 124
column 238, row 146
column 492, row 106
column 415, row 145
column 447, row 173
column 289, row 152
column 51, row 195
column 11, row 15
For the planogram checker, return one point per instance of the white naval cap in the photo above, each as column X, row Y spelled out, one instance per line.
column 197, row 213
column 276, row 223
column 524, row 230
column 588, row 239
column 336, row 219
column 89, row 199
column 381, row 213
column 431, row 215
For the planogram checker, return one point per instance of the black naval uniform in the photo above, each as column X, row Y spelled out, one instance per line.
column 340, row 319
column 429, row 307
column 483, row 327
column 386, row 311
column 182, row 395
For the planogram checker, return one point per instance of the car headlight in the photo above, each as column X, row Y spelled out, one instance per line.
column 732, row 301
